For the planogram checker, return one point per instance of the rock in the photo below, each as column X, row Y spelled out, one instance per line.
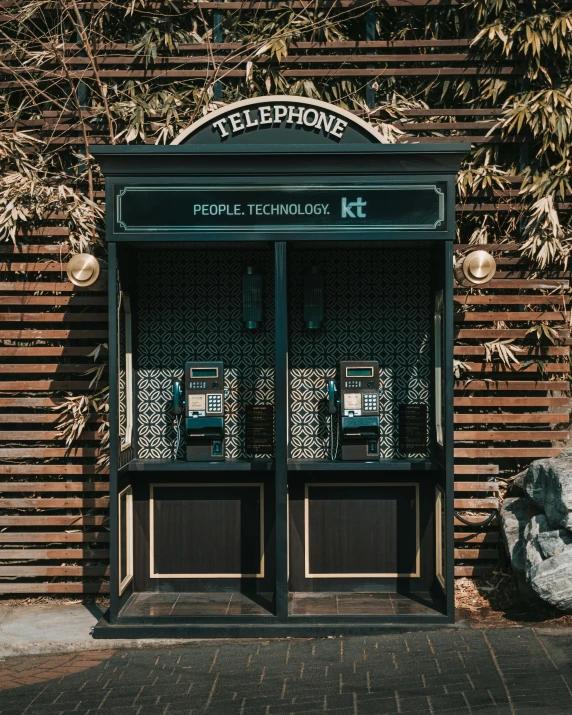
column 553, row 542
column 515, row 515
column 548, row 483
column 551, row 579
column 532, row 552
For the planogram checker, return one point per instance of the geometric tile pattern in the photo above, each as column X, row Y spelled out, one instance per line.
column 377, row 306
column 190, row 308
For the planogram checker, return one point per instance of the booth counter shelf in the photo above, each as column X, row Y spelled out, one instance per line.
column 169, row 465
column 268, row 465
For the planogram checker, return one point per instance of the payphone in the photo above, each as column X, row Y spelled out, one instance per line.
column 203, row 407
column 358, row 406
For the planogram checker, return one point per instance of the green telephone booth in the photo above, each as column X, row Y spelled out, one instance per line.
column 281, row 390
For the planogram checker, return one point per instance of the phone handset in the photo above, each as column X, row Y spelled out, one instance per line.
column 333, row 402
column 178, row 408
column 178, row 399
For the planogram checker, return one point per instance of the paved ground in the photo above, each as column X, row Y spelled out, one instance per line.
column 56, row 628
column 497, row 671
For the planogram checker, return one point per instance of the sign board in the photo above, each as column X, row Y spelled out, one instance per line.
column 280, row 120
column 178, row 208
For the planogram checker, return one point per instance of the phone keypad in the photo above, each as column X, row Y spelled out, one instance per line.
column 353, row 383
column 370, row 402
column 214, row 403
column 197, row 385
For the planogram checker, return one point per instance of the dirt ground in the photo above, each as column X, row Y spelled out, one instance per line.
column 495, row 602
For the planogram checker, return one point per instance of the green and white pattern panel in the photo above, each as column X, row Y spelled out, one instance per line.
column 190, row 308
column 377, row 306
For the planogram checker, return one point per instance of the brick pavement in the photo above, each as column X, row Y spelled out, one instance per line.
column 497, row 671
column 16, row 672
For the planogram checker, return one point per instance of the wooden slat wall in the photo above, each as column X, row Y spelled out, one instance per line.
column 53, row 505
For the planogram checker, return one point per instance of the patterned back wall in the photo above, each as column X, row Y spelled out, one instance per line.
column 377, row 306
column 190, row 308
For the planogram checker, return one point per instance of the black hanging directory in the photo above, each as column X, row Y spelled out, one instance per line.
column 413, row 428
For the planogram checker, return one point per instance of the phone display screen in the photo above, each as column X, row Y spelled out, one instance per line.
column 202, row 372
column 359, row 372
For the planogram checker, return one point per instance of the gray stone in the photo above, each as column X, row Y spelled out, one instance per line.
column 553, row 542
column 515, row 515
column 548, row 483
column 551, row 579
column 532, row 553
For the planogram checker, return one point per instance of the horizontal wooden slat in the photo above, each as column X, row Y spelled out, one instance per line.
column 33, row 334
column 70, row 301
column 72, row 522
column 532, row 299
column 47, row 368
column 522, row 351
column 37, row 418
column 44, row 385
column 487, row 503
column 511, row 316
column 49, row 503
column 42, row 435
column 499, row 367
column 52, row 537
column 54, row 487
column 516, row 385
column 476, row 469
column 22, row 571
column 34, row 286
column 510, row 435
column 53, row 317
column 48, row 554
column 49, row 351
column 527, row 402
column 77, row 587
column 473, row 487
column 511, row 418
column 500, row 452
column 59, row 469
column 497, row 333
column 464, row 554
column 41, row 452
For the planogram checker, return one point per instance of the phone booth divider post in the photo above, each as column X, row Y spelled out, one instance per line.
column 275, row 478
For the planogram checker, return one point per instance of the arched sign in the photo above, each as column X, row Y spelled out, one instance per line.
column 280, row 119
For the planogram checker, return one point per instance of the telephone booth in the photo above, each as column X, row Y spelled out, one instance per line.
column 281, row 378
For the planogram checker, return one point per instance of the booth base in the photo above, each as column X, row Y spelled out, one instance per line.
column 305, row 628
column 203, row 615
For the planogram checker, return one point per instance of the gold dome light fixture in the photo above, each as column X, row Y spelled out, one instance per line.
column 87, row 271
column 475, row 268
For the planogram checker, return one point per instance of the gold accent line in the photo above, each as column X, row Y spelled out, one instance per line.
column 439, row 500
column 307, row 573
column 153, row 574
column 128, row 491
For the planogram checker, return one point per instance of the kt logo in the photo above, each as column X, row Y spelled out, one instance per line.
column 353, row 209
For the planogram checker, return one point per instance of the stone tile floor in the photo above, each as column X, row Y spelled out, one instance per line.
column 497, row 671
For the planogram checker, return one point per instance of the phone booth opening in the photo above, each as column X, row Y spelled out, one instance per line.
column 281, row 377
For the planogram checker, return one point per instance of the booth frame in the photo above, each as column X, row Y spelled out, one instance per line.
column 224, row 166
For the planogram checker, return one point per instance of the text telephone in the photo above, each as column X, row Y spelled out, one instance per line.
column 203, row 408
column 358, row 406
